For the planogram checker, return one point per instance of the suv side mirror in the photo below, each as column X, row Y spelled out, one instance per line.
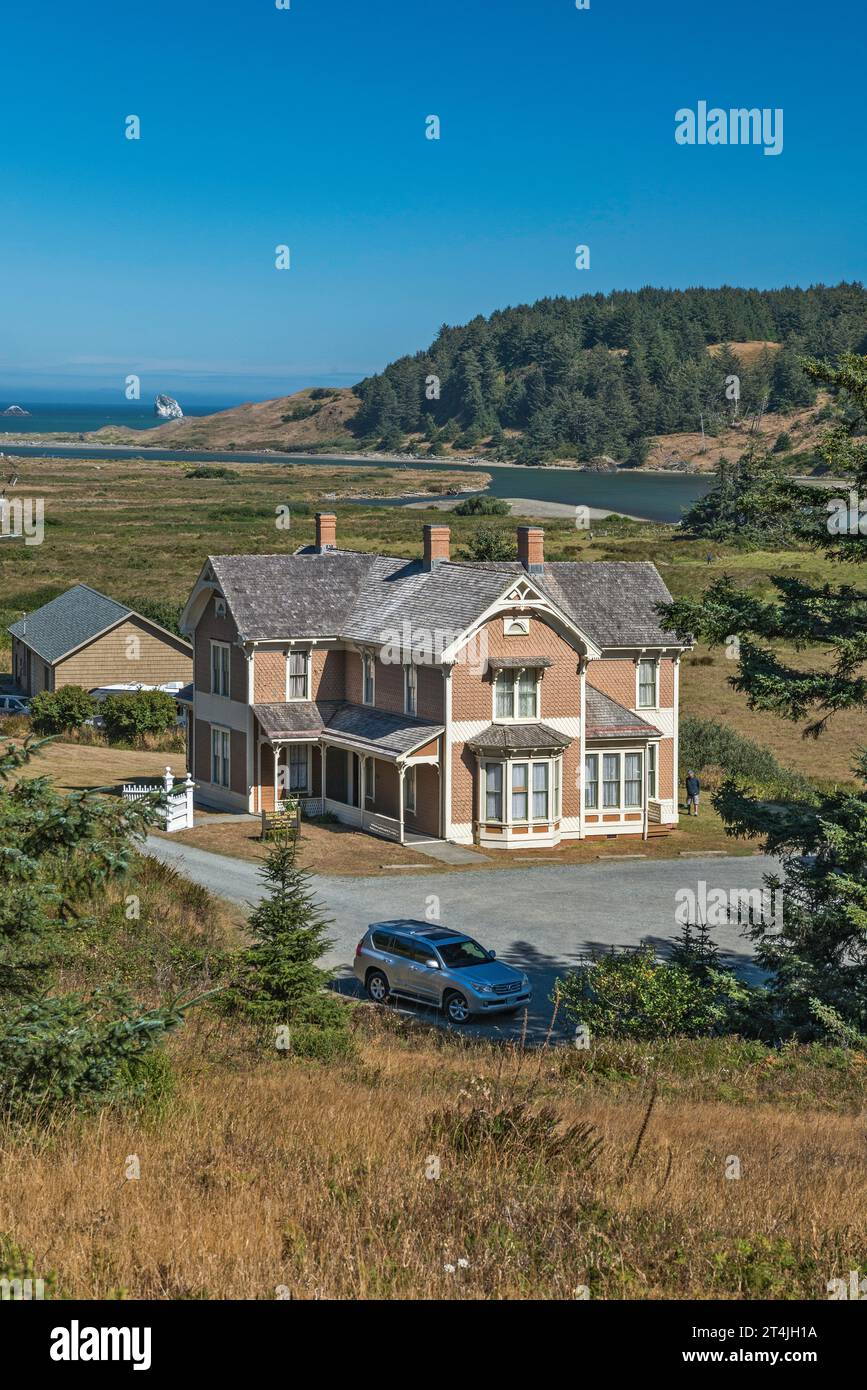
column 432, row 964
column 492, row 955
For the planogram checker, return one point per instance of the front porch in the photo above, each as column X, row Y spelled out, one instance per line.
column 375, row 771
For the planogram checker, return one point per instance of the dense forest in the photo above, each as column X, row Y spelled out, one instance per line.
column 599, row 374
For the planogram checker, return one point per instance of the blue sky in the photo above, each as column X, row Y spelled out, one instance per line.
column 306, row 127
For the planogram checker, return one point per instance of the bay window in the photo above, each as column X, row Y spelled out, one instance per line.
column 632, row 779
column 540, row 791
column 521, row 793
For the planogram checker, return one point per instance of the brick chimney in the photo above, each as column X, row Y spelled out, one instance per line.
column 326, row 531
column 531, row 547
column 436, row 545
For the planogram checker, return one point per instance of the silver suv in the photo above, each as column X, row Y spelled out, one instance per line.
column 448, row 969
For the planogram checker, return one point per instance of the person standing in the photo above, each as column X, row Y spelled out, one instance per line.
column 693, row 791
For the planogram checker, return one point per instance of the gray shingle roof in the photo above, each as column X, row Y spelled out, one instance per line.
column 515, row 663
column 372, row 598
column 382, row 732
column 604, row 716
column 518, row 738
column 67, row 621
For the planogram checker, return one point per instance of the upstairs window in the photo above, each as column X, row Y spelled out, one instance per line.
column 297, row 673
column 410, row 689
column 516, row 693
column 220, row 668
column 648, row 677
column 368, row 678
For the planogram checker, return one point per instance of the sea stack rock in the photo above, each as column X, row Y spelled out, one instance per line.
column 167, row 408
column 15, row 410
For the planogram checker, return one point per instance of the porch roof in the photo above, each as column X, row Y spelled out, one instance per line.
column 352, row 726
column 519, row 738
column 605, row 718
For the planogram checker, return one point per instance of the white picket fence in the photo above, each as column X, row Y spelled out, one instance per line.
column 177, row 813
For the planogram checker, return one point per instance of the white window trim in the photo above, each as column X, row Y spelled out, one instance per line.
column 515, row 718
column 368, row 657
column 654, row 662
column 222, row 646
column 410, row 675
column 226, row 761
column 621, row 808
column 555, row 785
column 308, row 656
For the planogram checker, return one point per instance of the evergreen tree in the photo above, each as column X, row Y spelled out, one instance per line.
column 818, row 953
column 281, row 980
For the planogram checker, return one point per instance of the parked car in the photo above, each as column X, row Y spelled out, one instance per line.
column 431, row 964
column 14, row 704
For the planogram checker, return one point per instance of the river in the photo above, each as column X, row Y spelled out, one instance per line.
column 652, row 496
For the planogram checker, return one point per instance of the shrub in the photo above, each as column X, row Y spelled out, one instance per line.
column 706, row 744
column 128, row 717
column 486, row 1122
column 636, row 996
column 210, row 470
column 57, row 711
column 487, row 544
column 482, row 505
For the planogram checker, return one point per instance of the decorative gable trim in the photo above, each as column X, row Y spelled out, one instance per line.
column 528, row 598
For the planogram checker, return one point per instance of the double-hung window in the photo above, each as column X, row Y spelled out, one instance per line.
column 409, row 790
column 648, row 679
column 519, row 791
column 540, row 791
column 632, row 779
column 591, row 781
column 610, row 781
column 220, row 668
column 369, row 679
column 516, row 693
column 410, row 689
column 651, row 769
column 220, row 754
column 297, row 672
column 494, row 791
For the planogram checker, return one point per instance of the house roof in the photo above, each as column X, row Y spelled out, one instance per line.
column 368, row 598
column 518, row 738
column 68, row 621
column 605, row 717
column 394, row 735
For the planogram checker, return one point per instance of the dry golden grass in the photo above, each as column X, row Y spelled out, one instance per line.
column 74, row 766
column 275, row 1178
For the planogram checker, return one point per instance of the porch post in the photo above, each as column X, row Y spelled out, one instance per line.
column 400, row 773
column 362, row 784
column 275, row 748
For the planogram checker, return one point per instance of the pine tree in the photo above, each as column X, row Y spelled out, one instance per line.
column 818, row 953
column 281, row 980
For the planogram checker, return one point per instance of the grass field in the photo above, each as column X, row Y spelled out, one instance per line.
column 262, row 1179
column 136, row 528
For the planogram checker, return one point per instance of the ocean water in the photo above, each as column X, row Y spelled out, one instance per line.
column 60, row 418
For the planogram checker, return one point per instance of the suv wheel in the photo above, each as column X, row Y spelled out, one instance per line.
column 377, row 987
column 457, row 1008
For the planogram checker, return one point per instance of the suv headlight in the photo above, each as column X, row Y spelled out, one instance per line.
column 483, row 989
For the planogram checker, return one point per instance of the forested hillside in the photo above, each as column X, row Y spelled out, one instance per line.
column 600, row 374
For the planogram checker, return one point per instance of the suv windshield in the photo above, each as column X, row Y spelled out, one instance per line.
column 459, row 954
